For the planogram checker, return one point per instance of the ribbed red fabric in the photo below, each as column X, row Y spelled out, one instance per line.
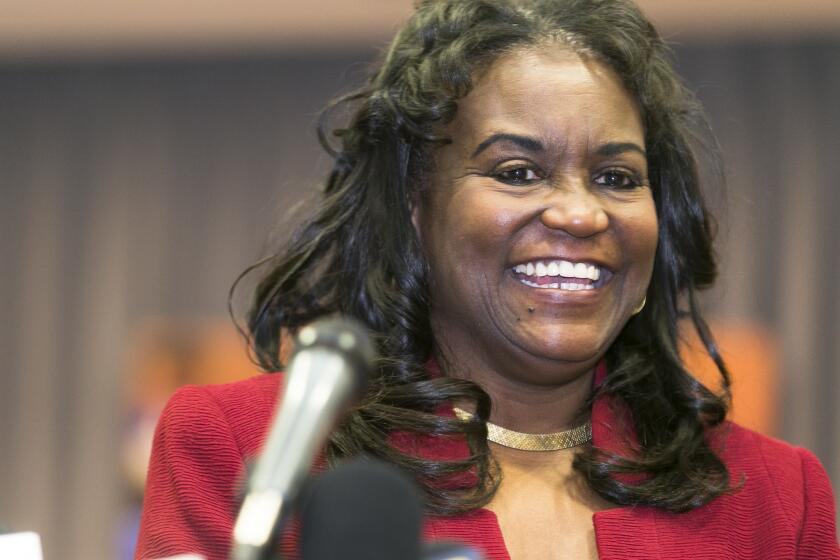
column 785, row 509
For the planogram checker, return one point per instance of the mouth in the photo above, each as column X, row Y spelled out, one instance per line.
column 561, row 275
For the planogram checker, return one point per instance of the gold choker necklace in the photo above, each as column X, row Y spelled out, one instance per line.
column 533, row 442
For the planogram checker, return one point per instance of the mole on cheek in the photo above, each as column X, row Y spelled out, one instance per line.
column 530, row 309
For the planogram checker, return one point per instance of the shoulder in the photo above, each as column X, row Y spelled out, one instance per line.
column 205, row 437
column 241, row 411
column 259, row 388
column 751, row 453
column 780, row 504
column 785, row 482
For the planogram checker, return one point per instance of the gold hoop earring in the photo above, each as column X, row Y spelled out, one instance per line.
column 640, row 307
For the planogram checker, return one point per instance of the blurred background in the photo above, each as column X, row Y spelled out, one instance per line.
column 151, row 150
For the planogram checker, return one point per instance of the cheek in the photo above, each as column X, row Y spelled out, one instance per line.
column 468, row 235
column 484, row 221
column 643, row 236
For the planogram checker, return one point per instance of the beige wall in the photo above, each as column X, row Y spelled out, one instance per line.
column 46, row 28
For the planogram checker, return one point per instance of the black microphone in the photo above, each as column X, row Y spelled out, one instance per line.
column 445, row 550
column 328, row 372
column 368, row 510
column 361, row 510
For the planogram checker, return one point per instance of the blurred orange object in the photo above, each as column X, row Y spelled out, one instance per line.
column 166, row 353
column 749, row 351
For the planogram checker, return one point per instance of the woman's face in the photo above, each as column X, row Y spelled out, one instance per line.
column 539, row 224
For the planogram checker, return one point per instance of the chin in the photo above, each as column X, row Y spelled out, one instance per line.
column 583, row 352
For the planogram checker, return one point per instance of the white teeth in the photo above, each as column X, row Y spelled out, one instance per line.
column 562, row 268
column 570, row 286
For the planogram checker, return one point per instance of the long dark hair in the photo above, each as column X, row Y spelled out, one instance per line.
column 358, row 255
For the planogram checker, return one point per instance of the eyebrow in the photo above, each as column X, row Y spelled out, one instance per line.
column 616, row 148
column 526, row 142
column 532, row 144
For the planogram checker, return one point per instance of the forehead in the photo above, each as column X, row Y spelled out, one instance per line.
column 553, row 93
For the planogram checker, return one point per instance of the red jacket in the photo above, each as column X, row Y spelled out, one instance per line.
column 785, row 509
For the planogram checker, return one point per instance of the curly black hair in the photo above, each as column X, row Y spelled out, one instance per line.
column 359, row 255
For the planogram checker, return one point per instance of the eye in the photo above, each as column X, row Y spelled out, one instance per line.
column 518, row 175
column 618, row 179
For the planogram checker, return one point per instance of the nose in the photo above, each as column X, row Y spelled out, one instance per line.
column 575, row 209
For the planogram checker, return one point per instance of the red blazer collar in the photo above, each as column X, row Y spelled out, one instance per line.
column 612, row 421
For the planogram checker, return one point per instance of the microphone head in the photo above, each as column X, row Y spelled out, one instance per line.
column 345, row 336
column 361, row 510
column 445, row 550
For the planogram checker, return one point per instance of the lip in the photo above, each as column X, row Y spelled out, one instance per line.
column 558, row 296
column 607, row 271
column 577, row 294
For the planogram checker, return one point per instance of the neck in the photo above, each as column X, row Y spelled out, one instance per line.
column 526, row 406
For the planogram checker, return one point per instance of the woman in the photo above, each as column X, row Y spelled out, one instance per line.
column 515, row 213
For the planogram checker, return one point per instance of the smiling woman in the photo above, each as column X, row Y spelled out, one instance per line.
column 515, row 213
column 557, row 185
